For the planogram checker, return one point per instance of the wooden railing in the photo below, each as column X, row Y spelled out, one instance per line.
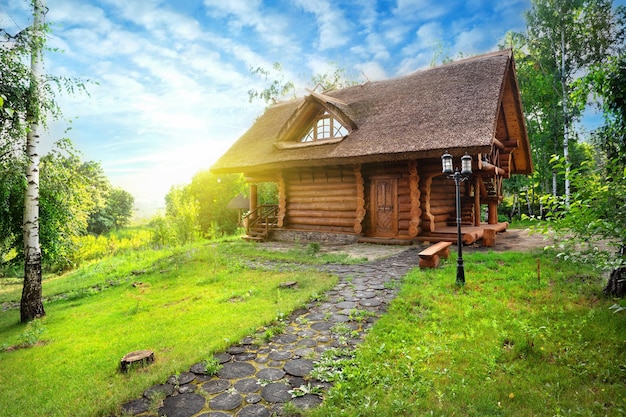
column 260, row 222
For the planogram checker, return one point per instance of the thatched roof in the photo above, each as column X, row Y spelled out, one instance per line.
column 454, row 107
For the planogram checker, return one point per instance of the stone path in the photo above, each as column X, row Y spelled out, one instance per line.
column 258, row 378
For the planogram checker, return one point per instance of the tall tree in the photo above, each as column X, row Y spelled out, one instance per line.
column 565, row 38
column 27, row 98
column 31, row 305
column 213, row 193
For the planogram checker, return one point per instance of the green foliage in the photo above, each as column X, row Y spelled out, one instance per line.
column 598, row 210
column 335, row 77
column 595, row 219
column 114, row 214
column 70, row 190
column 212, row 366
column 546, row 69
column 275, row 90
column 212, row 193
column 96, row 247
column 182, row 214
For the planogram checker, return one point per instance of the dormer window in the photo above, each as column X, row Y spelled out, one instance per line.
column 325, row 126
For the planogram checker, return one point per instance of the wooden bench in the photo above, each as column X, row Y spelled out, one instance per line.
column 429, row 257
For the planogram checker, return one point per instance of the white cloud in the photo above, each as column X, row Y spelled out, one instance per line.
column 333, row 26
column 418, row 61
column 428, row 38
column 372, row 71
column 469, row 41
column 421, row 9
column 272, row 28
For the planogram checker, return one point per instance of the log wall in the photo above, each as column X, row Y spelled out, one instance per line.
column 437, row 194
column 322, row 199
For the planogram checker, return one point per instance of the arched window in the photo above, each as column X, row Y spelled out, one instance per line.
column 325, row 126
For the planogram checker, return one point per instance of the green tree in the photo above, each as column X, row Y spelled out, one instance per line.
column 27, row 98
column 274, row 90
column 598, row 210
column 181, row 211
column 113, row 214
column 564, row 39
column 213, row 193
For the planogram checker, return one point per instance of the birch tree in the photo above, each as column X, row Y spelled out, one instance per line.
column 565, row 38
column 26, row 99
column 31, row 305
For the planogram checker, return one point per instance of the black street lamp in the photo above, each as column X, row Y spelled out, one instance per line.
column 459, row 175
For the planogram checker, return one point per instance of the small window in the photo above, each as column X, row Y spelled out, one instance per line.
column 325, row 127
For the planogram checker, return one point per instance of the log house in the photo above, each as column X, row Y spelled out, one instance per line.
column 364, row 162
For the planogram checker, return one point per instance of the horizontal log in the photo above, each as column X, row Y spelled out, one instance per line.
column 321, row 221
column 436, row 195
column 469, row 238
column 322, row 214
column 404, row 215
column 319, row 199
column 439, row 218
column 404, row 224
column 297, row 187
column 491, row 169
column 404, row 207
column 404, row 199
column 339, row 206
column 308, row 227
column 441, row 209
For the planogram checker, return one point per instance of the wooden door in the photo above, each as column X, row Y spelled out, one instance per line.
column 384, row 207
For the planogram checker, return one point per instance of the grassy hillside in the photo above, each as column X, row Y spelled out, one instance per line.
column 184, row 304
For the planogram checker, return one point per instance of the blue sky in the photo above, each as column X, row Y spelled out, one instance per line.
column 173, row 75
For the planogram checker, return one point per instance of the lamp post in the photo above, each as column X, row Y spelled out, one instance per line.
column 459, row 175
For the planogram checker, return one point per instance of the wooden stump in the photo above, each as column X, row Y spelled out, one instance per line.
column 429, row 257
column 430, row 262
column 144, row 357
column 489, row 238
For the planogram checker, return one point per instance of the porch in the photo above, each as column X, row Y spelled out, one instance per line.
column 471, row 234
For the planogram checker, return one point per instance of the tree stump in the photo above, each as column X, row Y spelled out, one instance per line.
column 143, row 357
column 616, row 286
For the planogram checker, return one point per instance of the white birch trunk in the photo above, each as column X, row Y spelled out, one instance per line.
column 31, row 304
column 565, row 119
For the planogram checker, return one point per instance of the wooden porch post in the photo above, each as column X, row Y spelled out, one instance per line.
column 476, row 200
column 493, row 211
column 253, row 200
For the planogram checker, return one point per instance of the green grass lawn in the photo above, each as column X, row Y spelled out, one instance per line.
column 510, row 343
column 184, row 304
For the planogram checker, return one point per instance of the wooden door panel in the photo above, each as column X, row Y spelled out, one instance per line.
column 384, row 206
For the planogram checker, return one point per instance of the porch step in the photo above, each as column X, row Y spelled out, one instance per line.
column 249, row 238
